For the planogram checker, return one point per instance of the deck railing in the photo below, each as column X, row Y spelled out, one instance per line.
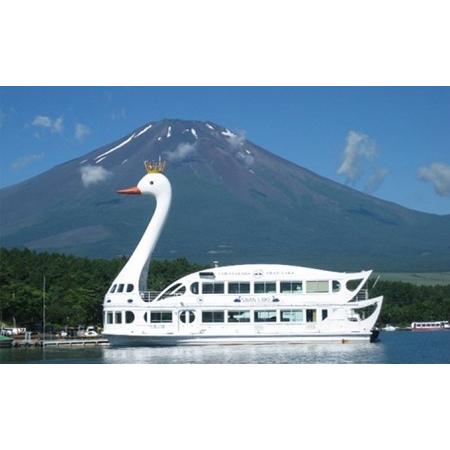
column 362, row 295
column 149, row 296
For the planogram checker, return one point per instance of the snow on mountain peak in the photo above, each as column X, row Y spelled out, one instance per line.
column 144, row 130
column 125, row 142
column 228, row 133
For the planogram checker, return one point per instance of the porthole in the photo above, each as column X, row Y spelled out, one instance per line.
column 130, row 300
column 187, row 316
column 129, row 316
column 151, row 182
column 108, row 301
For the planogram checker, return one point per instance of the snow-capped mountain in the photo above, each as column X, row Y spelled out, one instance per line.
column 233, row 201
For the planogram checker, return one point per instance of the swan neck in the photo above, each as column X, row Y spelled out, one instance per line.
column 135, row 271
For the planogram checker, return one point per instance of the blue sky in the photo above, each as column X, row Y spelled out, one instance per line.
column 391, row 142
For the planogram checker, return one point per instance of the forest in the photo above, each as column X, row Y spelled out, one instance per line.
column 75, row 288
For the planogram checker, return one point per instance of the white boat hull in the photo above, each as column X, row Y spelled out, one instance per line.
column 161, row 341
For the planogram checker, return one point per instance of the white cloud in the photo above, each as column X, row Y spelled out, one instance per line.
column 247, row 158
column 236, row 140
column 93, row 175
column 81, row 131
column 57, row 125
column 26, row 160
column 376, row 179
column 54, row 125
column 438, row 175
column 182, row 151
column 359, row 148
column 360, row 156
column 42, row 121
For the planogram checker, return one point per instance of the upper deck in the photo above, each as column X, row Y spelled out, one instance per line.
column 249, row 282
column 266, row 279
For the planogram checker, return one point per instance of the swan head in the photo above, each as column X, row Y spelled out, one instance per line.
column 155, row 184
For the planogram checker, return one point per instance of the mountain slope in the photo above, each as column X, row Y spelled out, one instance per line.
column 232, row 201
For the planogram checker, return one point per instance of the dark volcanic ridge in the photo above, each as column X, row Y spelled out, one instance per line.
column 233, row 201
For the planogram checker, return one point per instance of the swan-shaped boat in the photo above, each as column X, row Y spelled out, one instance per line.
column 250, row 303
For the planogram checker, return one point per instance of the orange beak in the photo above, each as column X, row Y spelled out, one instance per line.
column 130, row 191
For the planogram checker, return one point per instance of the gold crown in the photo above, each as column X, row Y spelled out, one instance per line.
column 155, row 166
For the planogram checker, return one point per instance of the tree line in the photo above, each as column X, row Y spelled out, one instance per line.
column 75, row 288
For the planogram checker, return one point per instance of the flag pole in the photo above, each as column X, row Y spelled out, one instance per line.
column 43, row 312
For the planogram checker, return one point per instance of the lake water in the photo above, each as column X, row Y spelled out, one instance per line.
column 397, row 347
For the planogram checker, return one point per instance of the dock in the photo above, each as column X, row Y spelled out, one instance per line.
column 89, row 342
column 76, row 343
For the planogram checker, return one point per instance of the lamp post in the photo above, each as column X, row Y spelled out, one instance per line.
column 43, row 312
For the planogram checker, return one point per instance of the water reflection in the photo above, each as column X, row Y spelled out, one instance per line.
column 249, row 354
column 394, row 347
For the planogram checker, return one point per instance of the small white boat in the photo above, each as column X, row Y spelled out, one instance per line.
column 250, row 303
column 430, row 326
column 389, row 328
column 90, row 332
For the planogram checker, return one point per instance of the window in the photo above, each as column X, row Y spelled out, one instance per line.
column 235, row 287
column 194, row 288
column 161, row 317
column 187, row 316
column 365, row 312
column 130, row 288
column 113, row 289
column 291, row 287
column 324, row 314
column 311, row 315
column 207, row 275
column 129, row 317
column 175, row 290
column 118, row 318
column 109, row 317
column 292, row 315
column 336, row 286
column 120, row 288
column 212, row 288
column 238, row 316
column 213, row 316
column 317, row 287
column 266, row 316
column 145, row 317
column 265, row 287
column 353, row 284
